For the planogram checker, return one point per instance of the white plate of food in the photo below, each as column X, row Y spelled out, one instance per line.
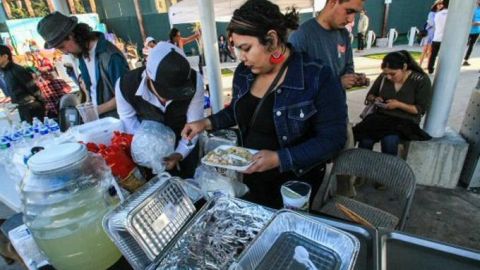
column 230, row 157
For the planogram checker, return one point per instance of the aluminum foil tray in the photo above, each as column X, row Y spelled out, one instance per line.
column 143, row 225
column 216, row 236
column 274, row 248
column 280, row 255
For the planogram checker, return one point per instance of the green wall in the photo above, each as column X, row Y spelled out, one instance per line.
column 119, row 16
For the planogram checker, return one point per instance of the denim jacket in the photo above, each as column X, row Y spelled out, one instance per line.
column 310, row 113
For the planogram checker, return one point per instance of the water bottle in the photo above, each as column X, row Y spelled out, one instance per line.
column 36, row 124
column 53, row 127
column 6, row 155
column 206, row 102
column 16, row 134
column 6, row 134
column 25, row 125
column 42, row 129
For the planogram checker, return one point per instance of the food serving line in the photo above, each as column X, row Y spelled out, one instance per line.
column 168, row 223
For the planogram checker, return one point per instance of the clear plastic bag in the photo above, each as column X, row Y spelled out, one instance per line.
column 151, row 143
column 212, row 182
column 220, row 137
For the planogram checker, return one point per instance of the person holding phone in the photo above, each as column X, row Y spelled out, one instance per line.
column 402, row 94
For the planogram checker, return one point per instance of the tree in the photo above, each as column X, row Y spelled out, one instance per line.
column 40, row 7
column 79, row 7
column 17, row 12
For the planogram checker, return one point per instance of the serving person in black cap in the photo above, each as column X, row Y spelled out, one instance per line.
column 169, row 91
column 101, row 63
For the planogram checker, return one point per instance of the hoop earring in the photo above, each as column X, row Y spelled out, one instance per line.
column 277, row 57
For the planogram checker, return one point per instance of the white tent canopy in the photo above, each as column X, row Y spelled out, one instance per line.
column 187, row 11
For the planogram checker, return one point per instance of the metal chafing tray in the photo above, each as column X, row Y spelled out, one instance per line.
column 403, row 251
column 277, row 245
column 157, row 228
column 216, row 236
column 367, row 258
column 144, row 224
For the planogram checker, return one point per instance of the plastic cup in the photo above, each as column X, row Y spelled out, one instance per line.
column 88, row 112
column 296, row 195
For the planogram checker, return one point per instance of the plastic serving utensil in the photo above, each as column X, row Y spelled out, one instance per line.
column 301, row 255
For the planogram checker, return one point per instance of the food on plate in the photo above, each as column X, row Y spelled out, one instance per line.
column 232, row 156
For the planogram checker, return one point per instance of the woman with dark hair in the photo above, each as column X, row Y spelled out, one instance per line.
column 402, row 95
column 288, row 106
column 176, row 38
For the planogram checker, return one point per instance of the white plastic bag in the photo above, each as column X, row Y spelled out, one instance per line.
column 151, row 143
column 212, row 182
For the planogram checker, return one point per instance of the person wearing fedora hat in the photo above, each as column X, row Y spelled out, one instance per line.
column 101, row 63
column 166, row 90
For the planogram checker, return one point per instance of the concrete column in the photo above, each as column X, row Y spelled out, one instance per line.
column 459, row 22
column 212, row 59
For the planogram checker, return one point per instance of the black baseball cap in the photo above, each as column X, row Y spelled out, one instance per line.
column 170, row 72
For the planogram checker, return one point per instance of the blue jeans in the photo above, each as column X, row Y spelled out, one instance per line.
column 389, row 144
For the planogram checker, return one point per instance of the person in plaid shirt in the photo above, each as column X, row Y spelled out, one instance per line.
column 52, row 90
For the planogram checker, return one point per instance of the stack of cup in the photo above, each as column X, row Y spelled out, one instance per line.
column 296, row 195
column 88, row 112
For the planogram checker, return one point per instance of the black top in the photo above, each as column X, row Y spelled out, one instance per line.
column 175, row 116
column 416, row 90
column 21, row 85
column 262, row 133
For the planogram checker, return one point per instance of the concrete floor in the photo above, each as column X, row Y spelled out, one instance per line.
column 451, row 216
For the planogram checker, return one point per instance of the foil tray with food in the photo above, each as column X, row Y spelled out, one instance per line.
column 216, row 236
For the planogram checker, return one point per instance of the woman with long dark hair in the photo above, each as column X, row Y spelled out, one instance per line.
column 286, row 105
column 402, row 94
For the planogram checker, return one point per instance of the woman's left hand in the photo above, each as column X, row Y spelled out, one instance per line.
column 263, row 161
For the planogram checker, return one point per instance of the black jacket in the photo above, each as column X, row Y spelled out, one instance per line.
column 21, row 85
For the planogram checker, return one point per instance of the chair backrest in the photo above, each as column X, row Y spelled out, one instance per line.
column 391, row 171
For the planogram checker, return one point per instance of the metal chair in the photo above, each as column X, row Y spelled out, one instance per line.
column 388, row 170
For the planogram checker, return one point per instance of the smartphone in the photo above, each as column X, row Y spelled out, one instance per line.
column 380, row 104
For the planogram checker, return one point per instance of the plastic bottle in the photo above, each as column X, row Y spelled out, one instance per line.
column 6, row 154
column 16, row 134
column 36, row 124
column 53, row 127
column 6, row 134
column 42, row 129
